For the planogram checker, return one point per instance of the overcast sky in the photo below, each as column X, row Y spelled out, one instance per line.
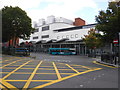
column 70, row 9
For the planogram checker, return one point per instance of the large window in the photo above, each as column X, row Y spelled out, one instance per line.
column 45, row 28
column 45, row 36
column 35, row 37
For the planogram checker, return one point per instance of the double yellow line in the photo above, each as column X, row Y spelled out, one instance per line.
column 104, row 64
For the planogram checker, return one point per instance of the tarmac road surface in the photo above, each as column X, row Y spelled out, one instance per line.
column 55, row 71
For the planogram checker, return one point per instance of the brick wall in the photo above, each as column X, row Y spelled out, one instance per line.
column 79, row 22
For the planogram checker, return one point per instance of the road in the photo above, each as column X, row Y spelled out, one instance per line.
column 56, row 71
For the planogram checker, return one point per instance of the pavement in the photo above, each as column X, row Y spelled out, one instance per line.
column 55, row 71
column 98, row 59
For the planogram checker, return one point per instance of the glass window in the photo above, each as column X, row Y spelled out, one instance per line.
column 35, row 37
column 45, row 36
column 45, row 28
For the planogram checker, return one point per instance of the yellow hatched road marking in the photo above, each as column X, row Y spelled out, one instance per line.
column 64, row 69
column 27, row 80
column 10, row 63
column 9, row 68
column 83, row 66
column 16, row 80
column 46, row 66
column 55, row 81
column 27, row 68
column 31, row 77
column 17, row 72
column 4, row 61
column 103, row 64
column 2, row 87
column 29, row 65
column 4, row 72
column 21, row 73
column 52, row 66
column 16, row 69
column 61, row 67
column 14, row 65
column 41, row 80
column 67, row 73
column 57, row 72
column 4, row 82
column 86, row 67
column 72, row 68
column 8, row 85
column 45, row 73
column 81, row 69
column 11, row 58
column 46, row 69
column 36, row 73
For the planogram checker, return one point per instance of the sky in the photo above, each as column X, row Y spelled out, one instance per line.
column 70, row 9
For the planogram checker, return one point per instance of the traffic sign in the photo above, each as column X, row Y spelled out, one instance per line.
column 115, row 41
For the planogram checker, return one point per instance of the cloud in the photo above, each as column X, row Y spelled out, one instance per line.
column 63, row 8
column 24, row 4
column 101, row 0
column 59, row 8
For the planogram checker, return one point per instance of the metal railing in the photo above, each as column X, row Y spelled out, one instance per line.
column 110, row 58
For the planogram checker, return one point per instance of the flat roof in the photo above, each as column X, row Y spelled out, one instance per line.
column 75, row 28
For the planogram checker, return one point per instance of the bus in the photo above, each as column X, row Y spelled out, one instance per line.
column 62, row 51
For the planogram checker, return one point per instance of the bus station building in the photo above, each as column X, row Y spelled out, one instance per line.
column 59, row 33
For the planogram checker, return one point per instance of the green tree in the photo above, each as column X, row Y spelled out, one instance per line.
column 15, row 24
column 108, row 22
column 93, row 39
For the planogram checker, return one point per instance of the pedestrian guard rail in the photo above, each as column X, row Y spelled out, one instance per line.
column 110, row 58
column 22, row 51
column 16, row 51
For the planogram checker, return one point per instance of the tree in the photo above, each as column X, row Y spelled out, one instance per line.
column 15, row 24
column 108, row 22
column 93, row 39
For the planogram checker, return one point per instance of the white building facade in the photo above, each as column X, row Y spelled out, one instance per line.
column 57, row 29
column 45, row 29
column 49, row 33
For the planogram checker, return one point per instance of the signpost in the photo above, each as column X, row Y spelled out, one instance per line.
column 115, row 41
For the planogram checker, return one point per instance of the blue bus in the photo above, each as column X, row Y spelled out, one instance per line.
column 62, row 51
